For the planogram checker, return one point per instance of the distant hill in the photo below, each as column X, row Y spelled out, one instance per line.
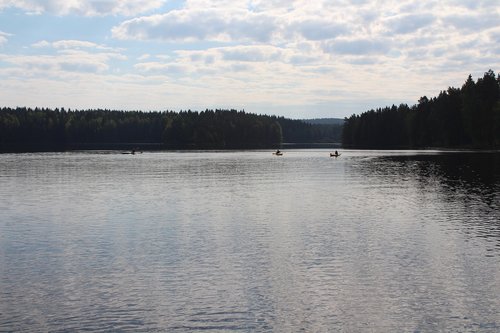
column 324, row 121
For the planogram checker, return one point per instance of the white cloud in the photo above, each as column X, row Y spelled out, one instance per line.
column 41, row 44
column 262, row 59
column 229, row 21
column 52, row 65
column 252, row 54
column 70, row 56
column 199, row 25
column 72, row 44
column 473, row 22
column 84, row 7
column 409, row 23
column 145, row 56
column 284, row 50
column 76, row 44
column 276, row 53
column 4, row 37
column 358, row 46
column 159, row 68
column 319, row 29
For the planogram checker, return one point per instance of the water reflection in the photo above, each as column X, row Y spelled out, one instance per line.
column 244, row 241
column 467, row 185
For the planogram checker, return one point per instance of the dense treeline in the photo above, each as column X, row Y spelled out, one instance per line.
column 225, row 129
column 46, row 129
column 300, row 131
column 458, row 117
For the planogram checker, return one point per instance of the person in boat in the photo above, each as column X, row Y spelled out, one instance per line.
column 336, row 153
column 278, row 152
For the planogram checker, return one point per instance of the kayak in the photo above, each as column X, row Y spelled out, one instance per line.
column 278, row 154
column 334, row 155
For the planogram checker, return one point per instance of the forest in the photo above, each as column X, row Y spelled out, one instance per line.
column 466, row 117
column 42, row 129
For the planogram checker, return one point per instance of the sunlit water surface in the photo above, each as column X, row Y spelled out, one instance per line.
column 375, row 241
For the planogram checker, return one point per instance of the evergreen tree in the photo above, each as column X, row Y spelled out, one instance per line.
column 465, row 117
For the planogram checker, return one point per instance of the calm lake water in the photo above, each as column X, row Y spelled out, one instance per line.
column 372, row 241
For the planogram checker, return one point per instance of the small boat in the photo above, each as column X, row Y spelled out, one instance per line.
column 132, row 152
column 278, row 153
column 334, row 155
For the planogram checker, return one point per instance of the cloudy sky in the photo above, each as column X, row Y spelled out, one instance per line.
column 300, row 59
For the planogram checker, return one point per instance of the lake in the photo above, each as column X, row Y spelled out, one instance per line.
column 371, row 241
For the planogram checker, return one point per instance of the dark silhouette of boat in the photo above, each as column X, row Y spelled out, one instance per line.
column 132, row 152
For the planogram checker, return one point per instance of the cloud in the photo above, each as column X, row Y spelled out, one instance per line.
column 198, row 25
column 251, row 54
column 302, row 59
column 409, row 23
column 476, row 4
column 4, row 37
column 258, row 60
column 358, row 46
column 52, row 64
column 278, row 22
column 473, row 22
column 159, row 68
column 68, row 58
column 223, row 21
column 41, row 44
column 71, row 44
column 145, row 56
column 495, row 37
column 77, row 44
column 84, row 7
column 319, row 29
column 211, row 61
column 262, row 53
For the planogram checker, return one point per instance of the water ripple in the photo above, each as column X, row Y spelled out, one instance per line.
column 243, row 241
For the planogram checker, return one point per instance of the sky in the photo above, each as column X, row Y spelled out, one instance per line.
column 298, row 59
